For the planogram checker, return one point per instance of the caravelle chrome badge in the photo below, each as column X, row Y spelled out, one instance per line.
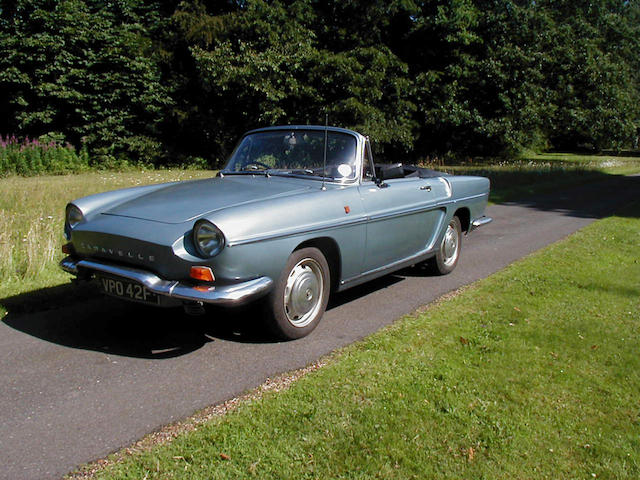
column 130, row 254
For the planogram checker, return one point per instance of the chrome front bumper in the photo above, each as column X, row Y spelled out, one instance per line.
column 234, row 294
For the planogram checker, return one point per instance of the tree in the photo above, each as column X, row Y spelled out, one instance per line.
column 166, row 79
column 591, row 73
column 262, row 65
column 86, row 70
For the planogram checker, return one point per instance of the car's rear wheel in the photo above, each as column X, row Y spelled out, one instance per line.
column 448, row 253
column 296, row 304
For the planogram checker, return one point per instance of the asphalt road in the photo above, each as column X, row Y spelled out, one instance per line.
column 86, row 377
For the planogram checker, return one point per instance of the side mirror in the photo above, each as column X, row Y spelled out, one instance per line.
column 379, row 181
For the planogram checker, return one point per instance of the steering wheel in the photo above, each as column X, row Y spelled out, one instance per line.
column 253, row 165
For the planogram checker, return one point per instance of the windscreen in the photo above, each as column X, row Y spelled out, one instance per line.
column 296, row 152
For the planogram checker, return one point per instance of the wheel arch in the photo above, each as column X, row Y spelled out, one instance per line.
column 464, row 215
column 331, row 251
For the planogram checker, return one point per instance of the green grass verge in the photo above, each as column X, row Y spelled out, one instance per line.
column 531, row 373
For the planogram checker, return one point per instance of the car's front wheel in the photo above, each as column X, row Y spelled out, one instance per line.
column 448, row 254
column 300, row 296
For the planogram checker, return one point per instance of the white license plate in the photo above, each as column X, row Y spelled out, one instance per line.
column 128, row 290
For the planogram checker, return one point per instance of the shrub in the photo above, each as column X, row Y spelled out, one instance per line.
column 39, row 156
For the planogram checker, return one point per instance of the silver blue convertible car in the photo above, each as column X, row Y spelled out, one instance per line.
column 298, row 212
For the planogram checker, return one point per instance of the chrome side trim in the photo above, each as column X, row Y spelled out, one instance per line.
column 411, row 211
column 349, row 223
column 424, row 207
column 471, row 197
column 331, row 226
column 479, row 222
column 234, row 294
column 299, row 231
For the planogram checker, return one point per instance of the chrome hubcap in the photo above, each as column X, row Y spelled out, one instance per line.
column 450, row 246
column 303, row 293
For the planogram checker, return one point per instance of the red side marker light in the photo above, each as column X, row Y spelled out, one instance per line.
column 202, row 273
column 346, row 209
column 67, row 249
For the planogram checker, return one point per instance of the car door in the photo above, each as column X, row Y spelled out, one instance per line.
column 403, row 217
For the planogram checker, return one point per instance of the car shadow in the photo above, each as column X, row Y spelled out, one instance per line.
column 79, row 316
column 616, row 193
column 340, row 298
column 577, row 200
column 94, row 322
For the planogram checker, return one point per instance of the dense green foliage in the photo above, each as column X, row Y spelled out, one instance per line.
column 161, row 81
column 85, row 69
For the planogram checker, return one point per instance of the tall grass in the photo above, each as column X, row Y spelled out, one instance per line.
column 26, row 250
column 6, row 245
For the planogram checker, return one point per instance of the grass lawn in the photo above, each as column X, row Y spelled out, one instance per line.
column 533, row 372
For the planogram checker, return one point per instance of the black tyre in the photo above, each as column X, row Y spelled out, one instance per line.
column 448, row 253
column 298, row 301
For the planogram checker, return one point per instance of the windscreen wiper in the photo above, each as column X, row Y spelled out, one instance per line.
column 246, row 171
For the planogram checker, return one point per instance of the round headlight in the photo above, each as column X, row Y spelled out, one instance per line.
column 74, row 216
column 208, row 239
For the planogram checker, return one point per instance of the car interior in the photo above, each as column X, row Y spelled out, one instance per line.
column 389, row 171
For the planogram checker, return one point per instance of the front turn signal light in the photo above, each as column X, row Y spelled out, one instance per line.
column 67, row 249
column 202, row 273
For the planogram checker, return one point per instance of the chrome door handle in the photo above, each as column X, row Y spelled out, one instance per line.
column 426, row 187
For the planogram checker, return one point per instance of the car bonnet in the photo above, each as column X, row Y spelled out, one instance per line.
column 185, row 201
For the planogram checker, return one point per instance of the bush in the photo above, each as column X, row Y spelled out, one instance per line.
column 39, row 156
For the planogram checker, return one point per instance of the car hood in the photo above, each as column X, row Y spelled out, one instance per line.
column 184, row 201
